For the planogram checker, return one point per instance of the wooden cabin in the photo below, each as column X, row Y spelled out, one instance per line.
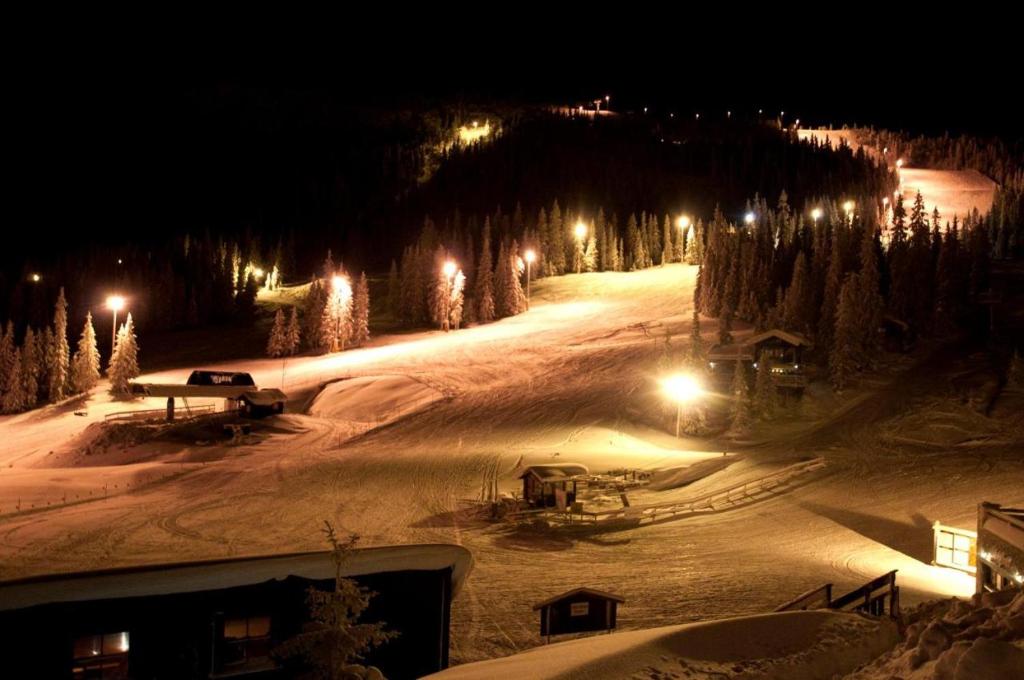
column 578, row 611
column 1000, row 547
column 783, row 349
column 551, row 486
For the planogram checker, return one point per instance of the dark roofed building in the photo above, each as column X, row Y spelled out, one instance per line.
column 221, row 618
column 552, row 485
column 783, row 349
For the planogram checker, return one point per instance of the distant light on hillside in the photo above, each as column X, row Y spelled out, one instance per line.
column 474, row 132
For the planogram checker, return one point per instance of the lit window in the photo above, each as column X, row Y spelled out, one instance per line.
column 102, row 656
column 245, row 641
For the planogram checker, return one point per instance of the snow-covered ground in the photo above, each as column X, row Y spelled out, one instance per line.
column 953, row 192
column 572, row 380
column 792, row 645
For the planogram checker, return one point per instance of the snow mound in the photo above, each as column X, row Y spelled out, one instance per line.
column 977, row 639
column 684, row 476
column 373, row 400
column 791, row 645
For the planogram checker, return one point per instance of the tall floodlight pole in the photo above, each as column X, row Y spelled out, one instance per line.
column 115, row 303
column 449, row 274
column 682, row 389
column 529, row 256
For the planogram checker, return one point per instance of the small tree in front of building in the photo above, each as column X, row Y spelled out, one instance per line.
column 333, row 638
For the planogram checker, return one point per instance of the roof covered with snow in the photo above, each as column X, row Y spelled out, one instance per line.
column 555, row 472
column 164, row 579
column 592, row 592
column 267, row 397
column 788, row 337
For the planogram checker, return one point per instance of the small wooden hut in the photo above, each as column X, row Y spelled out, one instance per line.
column 551, row 486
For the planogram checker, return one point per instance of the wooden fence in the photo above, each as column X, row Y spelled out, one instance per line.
column 870, row 598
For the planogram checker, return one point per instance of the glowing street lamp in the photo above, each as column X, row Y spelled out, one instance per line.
column 580, row 230
column 816, row 214
column 258, row 273
column 848, row 206
column 115, row 303
column 683, row 390
column 748, row 218
column 899, row 163
column 35, row 278
column 683, row 222
column 529, row 255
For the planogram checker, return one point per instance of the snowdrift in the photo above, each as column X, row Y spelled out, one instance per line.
column 373, row 400
column 977, row 639
column 677, row 477
column 789, row 645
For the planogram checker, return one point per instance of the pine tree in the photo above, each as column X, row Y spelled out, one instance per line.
column 830, row 299
column 312, row 314
column 696, row 342
column 590, row 254
column 844, row 357
column 44, row 351
column 795, row 308
column 336, row 316
column 124, row 363
column 245, row 301
column 276, row 343
column 578, row 252
column 458, row 300
column 59, row 368
column 514, row 300
column 740, row 409
column 334, row 638
column 725, row 326
column 361, row 311
column 666, row 241
column 7, row 348
column 485, row 280
column 766, row 395
column 293, row 336
column 555, row 257
column 30, row 368
column 13, row 400
column 85, row 366
column 871, row 303
column 394, row 291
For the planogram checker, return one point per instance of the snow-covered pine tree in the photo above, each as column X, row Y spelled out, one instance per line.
column 85, row 366
column 590, row 254
column 517, row 296
column 44, row 351
column 795, row 310
column 830, row 299
column 844, row 357
column 124, row 364
column 871, row 305
column 666, row 241
column 739, row 410
column 7, row 348
column 312, row 313
column 30, row 368
column 278, row 338
column 293, row 336
column 696, row 353
column 766, row 396
column 577, row 253
column 13, row 400
column 725, row 326
column 245, row 301
column 361, row 311
column 555, row 257
column 458, row 300
column 60, row 359
column 336, row 316
column 394, row 301
column 484, row 296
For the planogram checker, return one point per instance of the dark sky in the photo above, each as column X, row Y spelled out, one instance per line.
column 92, row 117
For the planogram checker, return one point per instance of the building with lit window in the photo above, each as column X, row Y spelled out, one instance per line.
column 222, row 618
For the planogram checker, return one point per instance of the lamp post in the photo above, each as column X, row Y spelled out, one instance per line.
column 115, row 303
column 342, row 293
column 529, row 256
column 448, row 269
column 748, row 219
column 682, row 389
column 581, row 232
column 816, row 214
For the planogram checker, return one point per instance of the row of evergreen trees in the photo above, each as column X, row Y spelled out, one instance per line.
column 833, row 279
column 335, row 315
column 42, row 369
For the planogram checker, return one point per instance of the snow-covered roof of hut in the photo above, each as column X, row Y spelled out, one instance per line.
column 579, row 591
column 555, row 472
column 267, row 397
column 188, row 577
column 788, row 337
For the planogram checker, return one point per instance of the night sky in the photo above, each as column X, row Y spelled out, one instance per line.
column 109, row 144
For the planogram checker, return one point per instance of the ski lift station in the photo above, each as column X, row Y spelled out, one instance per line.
column 238, row 390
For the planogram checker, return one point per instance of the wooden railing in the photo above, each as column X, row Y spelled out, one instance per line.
column 155, row 413
column 740, row 491
column 870, row 598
